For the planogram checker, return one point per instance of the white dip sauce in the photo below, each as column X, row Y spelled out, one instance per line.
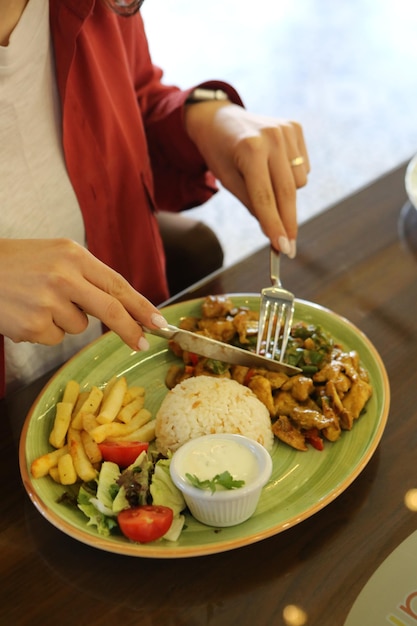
column 209, row 457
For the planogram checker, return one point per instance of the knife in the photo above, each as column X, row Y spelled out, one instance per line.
column 213, row 349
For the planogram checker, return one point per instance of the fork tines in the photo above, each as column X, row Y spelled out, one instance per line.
column 275, row 319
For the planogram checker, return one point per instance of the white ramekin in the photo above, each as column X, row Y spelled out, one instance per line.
column 226, row 507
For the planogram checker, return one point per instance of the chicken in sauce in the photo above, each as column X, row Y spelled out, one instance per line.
column 314, row 406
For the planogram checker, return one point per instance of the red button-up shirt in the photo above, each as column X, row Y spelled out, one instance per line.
column 126, row 150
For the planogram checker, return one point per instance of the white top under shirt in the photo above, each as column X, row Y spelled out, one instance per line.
column 36, row 196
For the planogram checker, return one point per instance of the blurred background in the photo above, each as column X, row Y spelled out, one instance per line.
column 347, row 71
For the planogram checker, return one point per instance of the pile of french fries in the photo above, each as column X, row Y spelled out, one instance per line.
column 85, row 419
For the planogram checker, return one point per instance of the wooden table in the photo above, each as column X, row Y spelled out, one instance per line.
column 359, row 258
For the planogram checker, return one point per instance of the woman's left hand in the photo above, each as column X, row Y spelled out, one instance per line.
column 261, row 160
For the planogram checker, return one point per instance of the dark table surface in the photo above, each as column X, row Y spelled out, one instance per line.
column 358, row 258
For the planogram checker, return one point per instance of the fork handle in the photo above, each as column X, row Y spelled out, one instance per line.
column 274, row 266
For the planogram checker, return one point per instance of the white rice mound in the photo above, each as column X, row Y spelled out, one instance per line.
column 205, row 405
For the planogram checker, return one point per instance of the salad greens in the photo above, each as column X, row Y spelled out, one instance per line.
column 103, row 519
column 115, row 490
column 163, row 490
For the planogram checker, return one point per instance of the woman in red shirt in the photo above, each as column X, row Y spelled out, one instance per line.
column 132, row 147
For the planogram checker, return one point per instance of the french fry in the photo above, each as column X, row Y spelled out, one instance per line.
column 89, row 422
column 82, row 463
column 41, row 466
column 130, row 410
column 83, row 419
column 91, row 448
column 112, row 403
column 93, row 402
column 66, row 470
column 119, row 429
column 82, row 397
column 109, row 386
column 54, row 474
column 104, row 431
column 71, row 392
column 90, row 405
column 144, row 433
column 132, row 393
column 61, row 424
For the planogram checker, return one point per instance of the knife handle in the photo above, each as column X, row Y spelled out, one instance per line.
column 168, row 332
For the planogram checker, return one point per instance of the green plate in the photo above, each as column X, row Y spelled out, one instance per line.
column 301, row 484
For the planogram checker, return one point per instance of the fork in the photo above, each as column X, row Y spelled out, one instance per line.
column 276, row 313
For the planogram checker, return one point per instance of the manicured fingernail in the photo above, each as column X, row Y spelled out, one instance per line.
column 284, row 245
column 143, row 344
column 158, row 320
column 293, row 249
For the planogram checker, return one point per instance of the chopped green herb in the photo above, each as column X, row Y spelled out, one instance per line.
column 217, row 367
column 225, row 480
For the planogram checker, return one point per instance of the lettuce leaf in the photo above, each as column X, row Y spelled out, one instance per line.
column 104, row 523
column 163, row 490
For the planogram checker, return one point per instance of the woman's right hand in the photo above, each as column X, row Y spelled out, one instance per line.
column 48, row 286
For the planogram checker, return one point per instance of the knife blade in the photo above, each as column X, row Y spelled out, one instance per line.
column 213, row 349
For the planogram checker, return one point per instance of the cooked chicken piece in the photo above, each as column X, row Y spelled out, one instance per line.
column 300, row 386
column 189, row 323
column 363, row 374
column 350, row 362
column 183, row 375
column 346, row 420
column 261, row 387
column 277, row 379
column 333, row 371
column 222, row 329
column 174, row 375
column 216, row 306
column 309, row 344
column 284, row 403
column 309, row 418
column 239, row 373
column 342, row 383
column 246, row 323
column 175, row 348
column 354, row 356
column 333, row 430
column 357, row 397
column 332, row 392
column 285, row 431
column 329, row 371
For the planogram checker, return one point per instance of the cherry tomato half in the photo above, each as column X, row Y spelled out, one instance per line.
column 121, row 452
column 145, row 523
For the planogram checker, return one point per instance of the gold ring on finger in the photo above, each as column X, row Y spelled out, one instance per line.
column 297, row 161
